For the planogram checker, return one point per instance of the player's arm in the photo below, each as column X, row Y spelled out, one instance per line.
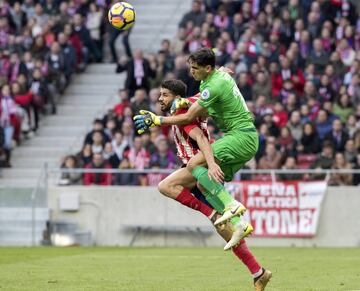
column 214, row 170
column 194, row 111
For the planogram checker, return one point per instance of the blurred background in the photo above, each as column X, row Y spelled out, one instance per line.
column 73, row 170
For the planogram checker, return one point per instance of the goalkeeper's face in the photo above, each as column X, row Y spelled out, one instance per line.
column 199, row 72
column 165, row 99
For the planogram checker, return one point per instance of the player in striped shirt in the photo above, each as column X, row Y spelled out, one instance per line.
column 189, row 140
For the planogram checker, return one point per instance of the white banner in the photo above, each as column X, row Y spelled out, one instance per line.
column 281, row 209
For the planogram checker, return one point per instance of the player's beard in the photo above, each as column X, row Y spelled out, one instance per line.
column 165, row 109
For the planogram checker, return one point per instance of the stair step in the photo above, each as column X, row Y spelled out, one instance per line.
column 44, row 152
column 68, row 120
column 92, row 89
column 61, row 131
column 49, row 141
column 35, row 162
column 99, row 79
column 89, row 100
column 77, row 111
column 21, row 173
column 101, row 69
column 22, row 214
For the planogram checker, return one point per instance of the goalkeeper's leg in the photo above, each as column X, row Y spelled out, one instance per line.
column 231, row 206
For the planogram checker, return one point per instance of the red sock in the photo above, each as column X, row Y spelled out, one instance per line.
column 186, row 198
column 245, row 255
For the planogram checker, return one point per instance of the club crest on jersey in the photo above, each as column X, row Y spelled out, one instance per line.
column 205, row 94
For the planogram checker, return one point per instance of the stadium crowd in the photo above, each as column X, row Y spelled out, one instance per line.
column 42, row 43
column 297, row 64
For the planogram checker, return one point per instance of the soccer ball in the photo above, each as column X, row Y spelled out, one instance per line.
column 122, row 15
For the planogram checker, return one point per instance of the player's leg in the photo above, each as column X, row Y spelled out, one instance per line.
column 232, row 151
column 214, row 189
column 177, row 185
column 239, row 228
column 242, row 252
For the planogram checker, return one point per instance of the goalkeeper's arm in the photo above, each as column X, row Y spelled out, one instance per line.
column 194, row 111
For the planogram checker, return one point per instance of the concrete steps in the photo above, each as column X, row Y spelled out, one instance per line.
column 16, row 225
column 150, row 29
column 87, row 97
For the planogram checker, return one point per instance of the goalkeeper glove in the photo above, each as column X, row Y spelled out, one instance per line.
column 179, row 103
column 146, row 120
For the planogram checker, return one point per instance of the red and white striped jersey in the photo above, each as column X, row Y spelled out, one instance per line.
column 186, row 146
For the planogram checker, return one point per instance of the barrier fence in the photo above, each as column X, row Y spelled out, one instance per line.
column 51, row 176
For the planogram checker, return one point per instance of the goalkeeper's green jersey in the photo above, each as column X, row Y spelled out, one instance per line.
column 224, row 102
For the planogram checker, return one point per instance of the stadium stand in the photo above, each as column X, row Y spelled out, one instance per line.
column 296, row 62
column 297, row 65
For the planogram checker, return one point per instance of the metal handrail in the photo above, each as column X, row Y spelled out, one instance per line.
column 34, row 192
column 169, row 171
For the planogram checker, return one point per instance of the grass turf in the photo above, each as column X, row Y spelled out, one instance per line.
column 175, row 269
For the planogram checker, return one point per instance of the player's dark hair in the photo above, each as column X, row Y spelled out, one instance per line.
column 177, row 87
column 203, row 57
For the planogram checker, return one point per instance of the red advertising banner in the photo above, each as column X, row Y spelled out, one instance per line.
column 281, row 209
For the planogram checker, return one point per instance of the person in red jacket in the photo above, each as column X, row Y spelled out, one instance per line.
column 103, row 179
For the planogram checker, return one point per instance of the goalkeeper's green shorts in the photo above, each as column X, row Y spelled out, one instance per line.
column 234, row 149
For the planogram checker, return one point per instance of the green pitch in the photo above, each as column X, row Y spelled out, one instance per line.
column 174, row 269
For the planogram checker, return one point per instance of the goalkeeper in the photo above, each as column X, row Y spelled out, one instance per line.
column 221, row 99
column 189, row 140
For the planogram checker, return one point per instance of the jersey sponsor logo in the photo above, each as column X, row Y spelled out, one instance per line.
column 205, row 94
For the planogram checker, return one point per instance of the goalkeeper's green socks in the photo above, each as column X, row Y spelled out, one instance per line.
column 214, row 188
column 216, row 193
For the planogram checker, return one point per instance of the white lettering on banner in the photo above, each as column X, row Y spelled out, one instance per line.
column 288, row 222
column 272, row 202
column 285, row 209
column 282, row 223
column 272, row 222
column 276, row 189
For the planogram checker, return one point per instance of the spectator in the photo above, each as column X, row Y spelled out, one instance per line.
column 125, row 178
column 69, row 54
column 138, row 72
column 337, row 136
column 98, row 142
column 339, row 179
column 323, row 125
column 139, row 101
column 110, row 156
column 261, row 85
column 309, row 142
column 85, row 37
column 295, row 126
column 290, row 164
column 271, row 159
column 70, row 178
column 85, row 155
column 343, row 108
column 280, row 115
column 98, row 126
column 244, row 86
column 350, row 152
column 164, row 157
column 124, row 102
column 138, row 156
column 356, row 177
column 8, row 119
column 119, row 145
column 196, row 16
column 318, row 56
column 93, row 24
column 351, row 125
column 101, row 179
column 325, row 159
column 286, row 142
